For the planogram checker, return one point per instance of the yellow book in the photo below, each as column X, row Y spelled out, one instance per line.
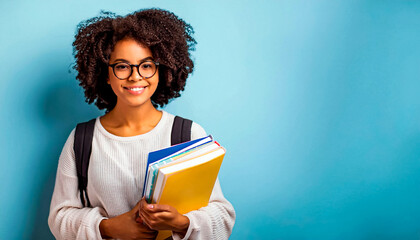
column 187, row 186
column 203, row 149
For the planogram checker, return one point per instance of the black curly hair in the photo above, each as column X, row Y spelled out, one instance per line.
column 168, row 37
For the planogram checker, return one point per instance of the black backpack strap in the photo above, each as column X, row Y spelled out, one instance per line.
column 82, row 149
column 181, row 130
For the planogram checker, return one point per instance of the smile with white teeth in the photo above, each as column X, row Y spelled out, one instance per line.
column 134, row 89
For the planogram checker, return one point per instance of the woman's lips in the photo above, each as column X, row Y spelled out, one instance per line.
column 135, row 90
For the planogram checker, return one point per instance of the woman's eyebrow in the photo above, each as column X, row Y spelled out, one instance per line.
column 125, row 60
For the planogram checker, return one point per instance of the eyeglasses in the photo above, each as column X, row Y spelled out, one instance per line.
column 146, row 69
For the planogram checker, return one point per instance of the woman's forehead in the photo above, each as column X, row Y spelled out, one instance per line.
column 131, row 50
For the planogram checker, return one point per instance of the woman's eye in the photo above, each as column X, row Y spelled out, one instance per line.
column 121, row 67
column 146, row 66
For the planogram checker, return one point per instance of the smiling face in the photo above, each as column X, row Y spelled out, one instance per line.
column 134, row 91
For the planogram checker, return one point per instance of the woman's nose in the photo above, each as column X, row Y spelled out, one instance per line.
column 135, row 76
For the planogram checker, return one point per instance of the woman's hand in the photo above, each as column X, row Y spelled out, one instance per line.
column 125, row 226
column 163, row 217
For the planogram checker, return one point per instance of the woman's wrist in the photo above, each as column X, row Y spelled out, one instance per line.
column 104, row 228
column 182, row 225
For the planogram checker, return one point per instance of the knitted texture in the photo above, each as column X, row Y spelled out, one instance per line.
column 115, row 184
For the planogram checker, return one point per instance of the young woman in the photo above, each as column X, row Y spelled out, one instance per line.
column 129, row 66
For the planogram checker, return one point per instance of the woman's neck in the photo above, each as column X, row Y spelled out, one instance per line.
column 125, row 120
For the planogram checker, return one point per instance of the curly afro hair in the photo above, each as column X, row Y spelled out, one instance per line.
column 168, row 37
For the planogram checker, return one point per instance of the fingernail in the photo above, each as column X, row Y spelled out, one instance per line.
column 150, row 206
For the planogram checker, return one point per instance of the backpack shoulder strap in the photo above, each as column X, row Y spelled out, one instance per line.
column 82, row 149
column 181, row 130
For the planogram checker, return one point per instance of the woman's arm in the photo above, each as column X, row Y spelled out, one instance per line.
column 68, row 219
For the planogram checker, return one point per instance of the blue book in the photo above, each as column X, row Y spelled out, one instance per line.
column 171, row 151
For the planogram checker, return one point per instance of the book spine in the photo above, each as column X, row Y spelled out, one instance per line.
column 159, row 187
column 153, row 176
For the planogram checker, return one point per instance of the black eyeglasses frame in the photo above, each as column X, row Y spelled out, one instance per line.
column 131, row 67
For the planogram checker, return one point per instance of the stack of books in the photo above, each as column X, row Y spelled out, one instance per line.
column 183, row 175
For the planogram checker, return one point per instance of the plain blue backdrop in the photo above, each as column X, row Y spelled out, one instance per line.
column 317, row 103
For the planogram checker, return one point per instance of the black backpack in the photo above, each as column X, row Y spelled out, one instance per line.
column 181, row 132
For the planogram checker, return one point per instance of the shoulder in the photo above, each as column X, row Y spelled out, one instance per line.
column 66, row 161
column 68, row 146
column 197, row 131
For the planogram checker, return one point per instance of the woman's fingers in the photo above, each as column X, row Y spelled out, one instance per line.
column 158, row 208
column 145, row 219
column 153, row 208
column 136, row 208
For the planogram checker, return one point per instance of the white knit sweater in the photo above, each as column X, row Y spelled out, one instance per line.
column 115, row 184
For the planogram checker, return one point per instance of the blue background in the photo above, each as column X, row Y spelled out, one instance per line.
column 317, row 103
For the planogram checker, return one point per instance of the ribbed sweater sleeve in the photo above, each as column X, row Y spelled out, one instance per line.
column 68, row 219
